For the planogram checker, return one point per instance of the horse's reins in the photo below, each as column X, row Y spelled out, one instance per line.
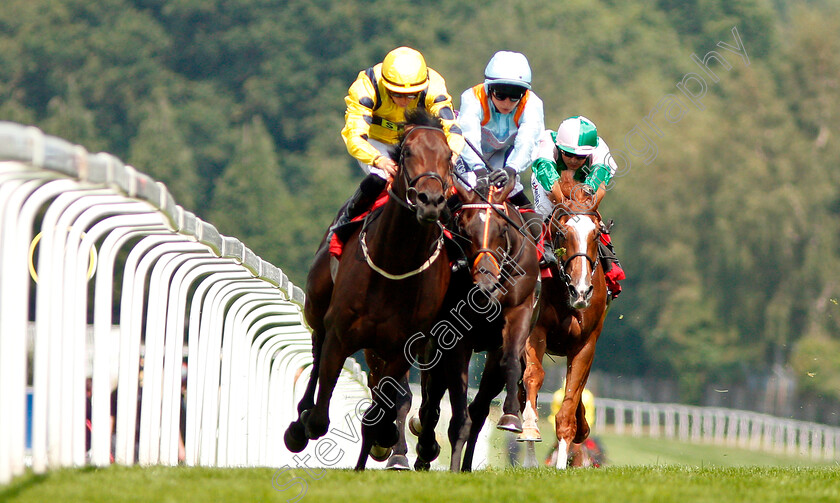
column 411, row 205
column 485, row 250
column 526, row 235
column 507, row 257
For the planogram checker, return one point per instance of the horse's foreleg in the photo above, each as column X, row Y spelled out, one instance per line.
column 513, row 346
column 492, row 382
column 317, row 422
column 398, row 460
column 428, row 448
column 295, row 436
column 378, row 426
column 577, row 372
column 308, row 399
column 458, row 383
column 532, row 380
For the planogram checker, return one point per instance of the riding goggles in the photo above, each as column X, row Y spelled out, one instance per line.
column 514, row 95
column 573, row 156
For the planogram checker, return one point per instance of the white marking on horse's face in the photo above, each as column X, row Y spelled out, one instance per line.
column 482, row 216
column 582, row 228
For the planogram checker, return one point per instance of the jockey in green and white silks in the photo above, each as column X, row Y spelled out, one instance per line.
column 502, row 117
column 575, row 145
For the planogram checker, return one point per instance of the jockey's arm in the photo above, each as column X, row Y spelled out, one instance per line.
column 357, row 118
column 545, row 171
column 469, row 120
column 439, row 103
column 597, row 180
column 528, row 135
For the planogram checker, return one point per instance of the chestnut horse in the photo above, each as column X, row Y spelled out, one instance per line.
column 487, row 310
column 573, row 305
column 389, row 283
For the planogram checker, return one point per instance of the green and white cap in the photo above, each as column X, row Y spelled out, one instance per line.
column 577, row 135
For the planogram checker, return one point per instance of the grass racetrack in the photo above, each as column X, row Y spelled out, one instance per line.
column 640, row 470
column 666, row 483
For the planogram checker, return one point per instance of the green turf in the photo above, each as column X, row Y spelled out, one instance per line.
column 638, row 451
column 640, row 469
column 665, row 484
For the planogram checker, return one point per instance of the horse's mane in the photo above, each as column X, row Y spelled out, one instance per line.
column 415, row 117
column 421, row 117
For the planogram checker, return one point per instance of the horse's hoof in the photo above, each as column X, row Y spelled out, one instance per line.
column 429, row 453
column 529, row 434
column 379, row 453
column 510, row 422
column 295, row 437
column 422, row 466
column 397, row 462
column 312, row 431
column 415, row 426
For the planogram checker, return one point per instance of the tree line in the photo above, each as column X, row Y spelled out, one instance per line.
column 726, row 214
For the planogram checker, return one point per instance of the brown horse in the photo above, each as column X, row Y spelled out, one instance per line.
column 389, row 283
column 573, row 306
column 487, row 310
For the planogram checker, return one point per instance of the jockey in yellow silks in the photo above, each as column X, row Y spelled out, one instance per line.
column 376, row 106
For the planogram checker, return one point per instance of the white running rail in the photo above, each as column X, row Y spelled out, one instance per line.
column 184, row 290
column 735, row 428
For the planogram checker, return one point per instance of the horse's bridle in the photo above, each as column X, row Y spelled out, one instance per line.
column 410, row 190
column 499, row 262
column 485, row 249
column 411, row 205
column 593, row 263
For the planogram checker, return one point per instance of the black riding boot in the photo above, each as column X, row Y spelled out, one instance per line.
column 369, row 189
column 534, row 222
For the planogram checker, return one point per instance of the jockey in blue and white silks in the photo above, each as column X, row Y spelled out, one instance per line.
column 503, row 118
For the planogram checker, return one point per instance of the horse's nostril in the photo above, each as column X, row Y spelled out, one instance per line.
column 589, row 291
column 440, row 201
column 422, row 198
column 572, row 291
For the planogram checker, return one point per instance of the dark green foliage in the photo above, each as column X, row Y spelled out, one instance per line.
column 728, row 230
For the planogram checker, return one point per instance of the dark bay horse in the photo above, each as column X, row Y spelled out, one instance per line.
column 490, row 309
column 389, row 283
column 573, row 306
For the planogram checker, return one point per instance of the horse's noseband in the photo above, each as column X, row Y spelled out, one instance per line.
column 593, row 263
column 568, row 278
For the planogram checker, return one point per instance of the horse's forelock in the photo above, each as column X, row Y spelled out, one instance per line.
column 422, row 117
column 414, row 117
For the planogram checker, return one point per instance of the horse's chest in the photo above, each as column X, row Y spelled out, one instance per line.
column 564, row 332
